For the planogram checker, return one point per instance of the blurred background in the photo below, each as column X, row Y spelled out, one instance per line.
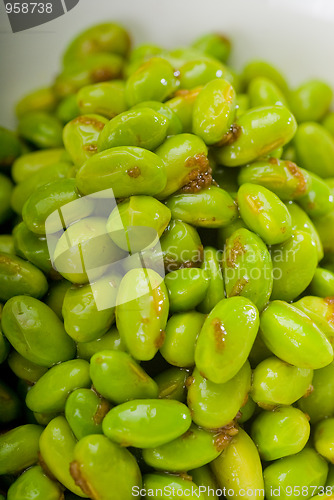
column 296, row 35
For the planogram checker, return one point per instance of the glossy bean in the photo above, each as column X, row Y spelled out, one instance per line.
column 239, row 468
column 264, row 213
column 127, row 170
column 244, row 254
column 19, row 277
column 216, row 405
column 292, row 336
column 223, row 344
column 276, row 382
column 50, row 392
column 259, row 131
column 281, row 432
column 118, row 378
column 141, row 312
column 36, row 332
column 97, row 462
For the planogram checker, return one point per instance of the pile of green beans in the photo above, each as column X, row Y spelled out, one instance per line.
column 211, row 374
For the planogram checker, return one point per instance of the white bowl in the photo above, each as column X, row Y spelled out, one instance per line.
column 296, row 35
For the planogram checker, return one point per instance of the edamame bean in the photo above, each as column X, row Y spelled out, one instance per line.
column 195, row 448
column 154, row 80
column 84, row 252
column 10, row 148
column 84, row 411
column 186, row 288
column 50, row 392
column 239, row 468
column 98, row 463
column 318, row 404
column 83, row 321
column 181, row 246
column 183, row 105
column 25, row 369
column 32, row 247
column 68, row 109
column 45, row 175
column 56, row 295
column 141, row 312
column 321, row 311
column 247, row 411
column 41, row 129
column 328, row 122
column 57, row 444
column 186, row 163
column 294, row 264
column 94, row 68
column 7, row 244
column 264, row 213
column 247, row 268
column 30, row 163
column 315, row 148
column 204, row 478
column 322, row 284
column 19, row 448
column 306, row 471
column 182, row 331
column 211, row 207
column 264, row 92
column 281, row 432
column 174, row 123
column 109, row 341
column 276, row 382
column 324, row 438
column 202, row 70
column 283, row 178
column 216, row 291
column 146, row 423
column 118, row 378
column 311, row 100
column 127, row 170
column 106, row 99
column 35, row 331
column 4, row 347
column 259, row 131
column 104, row 37
column 301, row 222
column 48, row 199
column 172, row 384
column 216, row 405
column 42, row 99
column 136, row 223
column 226, row 339
column 81, row 136
column 214, row 111
column 292, row 336
column 19, row 277
column 142, row 128
column 214, row 45
column 34, row 483
column 319, row 200
column 259, row 68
